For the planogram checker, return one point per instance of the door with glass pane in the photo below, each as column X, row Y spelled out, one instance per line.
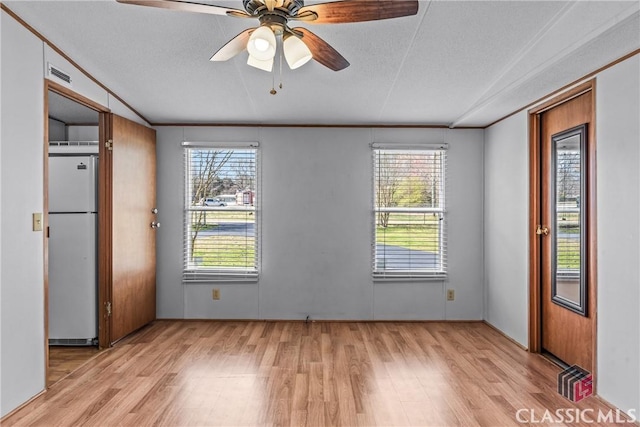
column 566, row 232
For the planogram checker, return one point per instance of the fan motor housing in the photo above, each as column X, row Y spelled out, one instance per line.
column 276, row 20
column 294, row 6
column 254, row 7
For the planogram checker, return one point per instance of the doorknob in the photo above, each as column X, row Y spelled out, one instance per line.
column 155, row 224
column 542, row 230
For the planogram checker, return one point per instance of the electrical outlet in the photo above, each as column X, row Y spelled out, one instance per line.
column 215, row 294
column 451, row 295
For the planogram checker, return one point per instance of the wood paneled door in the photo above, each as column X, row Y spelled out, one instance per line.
column 563, row 268
column 128, row 231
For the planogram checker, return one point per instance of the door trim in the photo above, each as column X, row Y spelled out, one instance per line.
column 105, row 231
column 102, row 110
column 535, row 192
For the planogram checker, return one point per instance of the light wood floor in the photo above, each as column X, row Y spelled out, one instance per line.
column 64, row 360
column 206, row 373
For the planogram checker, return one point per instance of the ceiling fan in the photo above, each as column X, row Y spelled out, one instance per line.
column 299, row 45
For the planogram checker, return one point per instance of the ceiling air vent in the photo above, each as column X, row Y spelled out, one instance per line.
column 59, row 74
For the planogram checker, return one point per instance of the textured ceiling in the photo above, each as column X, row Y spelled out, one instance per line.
column 457, row 63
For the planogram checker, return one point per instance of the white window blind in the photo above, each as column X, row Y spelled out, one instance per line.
column 409, row 211
column 220, row 215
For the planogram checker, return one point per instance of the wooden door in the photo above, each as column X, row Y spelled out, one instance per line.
column 128, row 300
column 567, row 245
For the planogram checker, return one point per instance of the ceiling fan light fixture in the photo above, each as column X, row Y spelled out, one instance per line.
column 274, row 17
column 296, row 52
column 266, row 65
column 262, row 44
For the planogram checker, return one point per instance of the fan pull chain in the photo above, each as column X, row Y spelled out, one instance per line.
column 281, row 53
column 273, row 90
column 280, row 42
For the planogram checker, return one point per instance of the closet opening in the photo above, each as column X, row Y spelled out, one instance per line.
column 72, row 138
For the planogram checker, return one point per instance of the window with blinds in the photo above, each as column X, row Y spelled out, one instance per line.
column 409, row 211
column 220, row 215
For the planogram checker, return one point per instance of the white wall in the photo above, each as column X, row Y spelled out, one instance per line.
column 506, row 222
column 83, row 133
column 57, row 130
column 22, row 313
column 618, row 202
column 317, row 232
column 618, row 143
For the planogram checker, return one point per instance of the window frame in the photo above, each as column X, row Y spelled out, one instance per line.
column 441, row 273
column 192, row 275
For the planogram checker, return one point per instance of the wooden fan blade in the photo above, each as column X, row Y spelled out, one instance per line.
column 339, row 12
column 307, row 16
column 188, row 7
column 321, row 50
column 233, row 46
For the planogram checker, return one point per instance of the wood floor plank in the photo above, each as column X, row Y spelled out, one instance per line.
column 64, row 360
column 210, row 373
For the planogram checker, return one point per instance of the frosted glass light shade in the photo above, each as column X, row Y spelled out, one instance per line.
column 262, row 65
column 262, row 44
column 296, row 52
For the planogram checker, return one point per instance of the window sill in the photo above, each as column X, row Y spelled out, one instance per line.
column 202, row 278
column 390, row 277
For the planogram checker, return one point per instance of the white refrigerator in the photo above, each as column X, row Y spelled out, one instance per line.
column 73, row 278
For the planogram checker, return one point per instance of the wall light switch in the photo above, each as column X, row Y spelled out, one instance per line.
column 37, row 222
column 215, row 294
